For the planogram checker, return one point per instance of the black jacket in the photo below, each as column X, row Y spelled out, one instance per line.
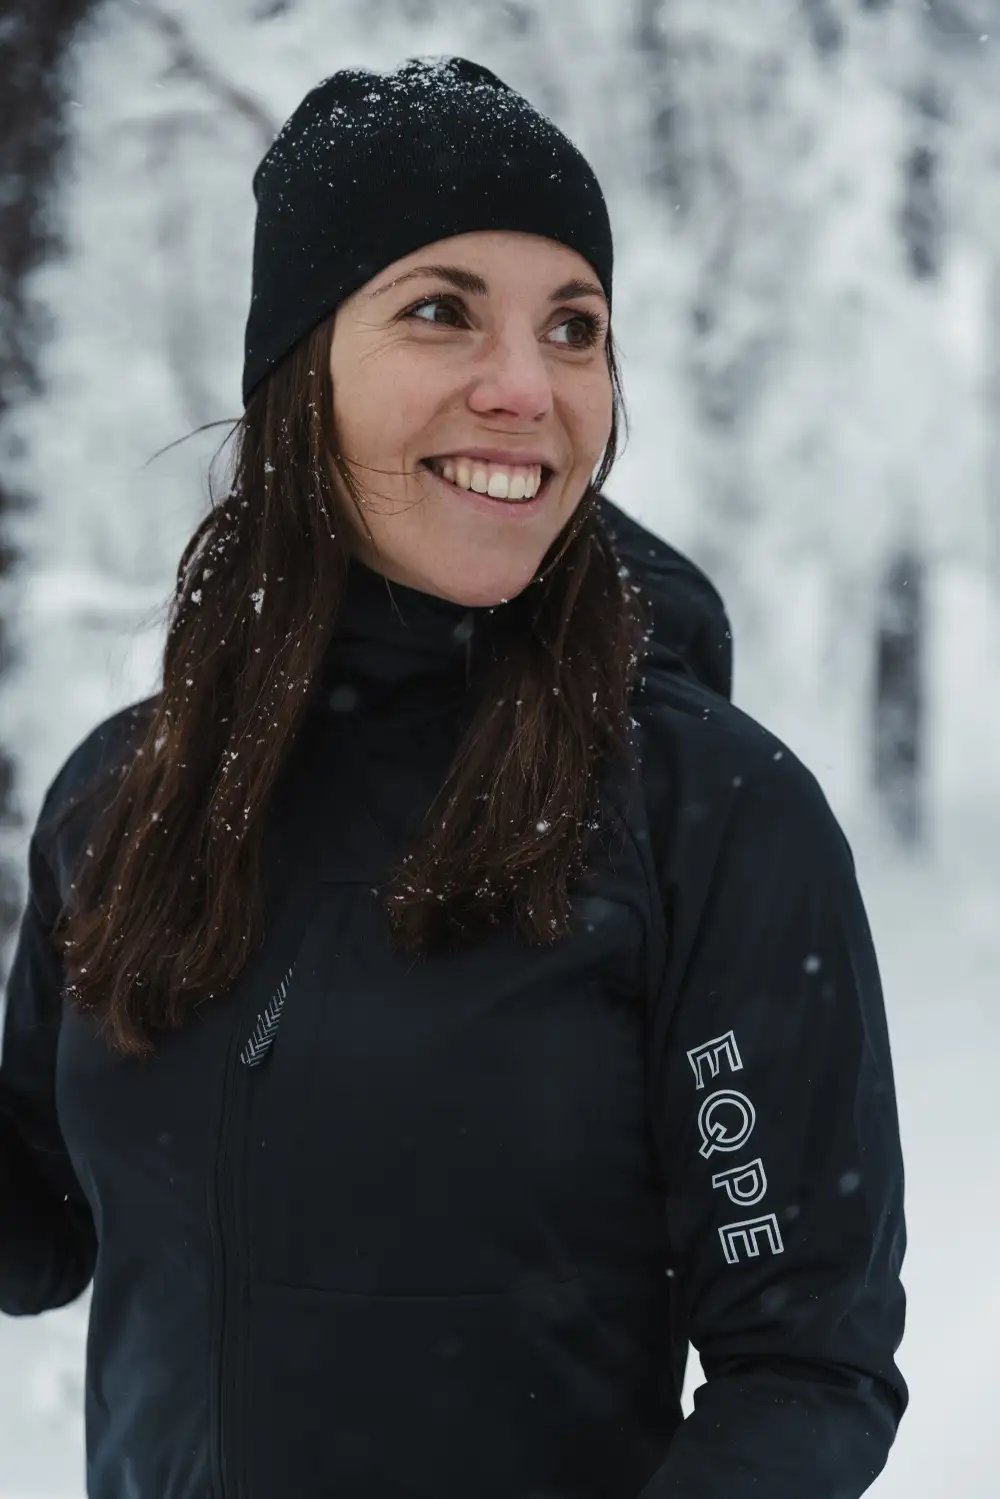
column 385, row 1229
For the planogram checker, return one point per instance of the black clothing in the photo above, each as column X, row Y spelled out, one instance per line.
column 372, row 166
column 390, row 1229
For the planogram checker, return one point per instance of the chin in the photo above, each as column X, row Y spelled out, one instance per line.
column 480, row 589
column 474, row 581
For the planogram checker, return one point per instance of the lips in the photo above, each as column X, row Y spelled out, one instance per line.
column 492, row 455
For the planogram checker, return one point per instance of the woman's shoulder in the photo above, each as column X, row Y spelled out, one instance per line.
column 704, row 760
column 715, row 772
column 93, row 764
column 686, row 723
column 100, row 751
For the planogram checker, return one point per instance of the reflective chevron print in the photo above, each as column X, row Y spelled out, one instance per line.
column 259, row 1044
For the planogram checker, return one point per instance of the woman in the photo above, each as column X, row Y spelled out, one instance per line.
column 436, row 1005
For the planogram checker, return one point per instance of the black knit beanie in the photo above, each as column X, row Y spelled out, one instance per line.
column 371, row 166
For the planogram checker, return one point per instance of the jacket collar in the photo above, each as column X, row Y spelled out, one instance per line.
column 389, row 636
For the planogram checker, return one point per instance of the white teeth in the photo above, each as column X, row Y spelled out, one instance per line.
column 467, row 474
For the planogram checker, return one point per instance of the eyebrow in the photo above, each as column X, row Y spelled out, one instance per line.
column 475, row 286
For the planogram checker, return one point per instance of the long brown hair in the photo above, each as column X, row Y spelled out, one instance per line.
column 168, row 900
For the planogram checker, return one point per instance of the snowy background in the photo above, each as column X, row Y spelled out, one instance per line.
column 806, row 202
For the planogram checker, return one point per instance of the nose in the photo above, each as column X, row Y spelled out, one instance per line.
column 513, row 379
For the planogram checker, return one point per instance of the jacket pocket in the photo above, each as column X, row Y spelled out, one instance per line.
column 522, row 1394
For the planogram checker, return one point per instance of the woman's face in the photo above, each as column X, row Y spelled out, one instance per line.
column 487, row 349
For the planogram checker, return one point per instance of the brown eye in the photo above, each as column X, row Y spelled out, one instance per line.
column 591, row 329
column 448, row 302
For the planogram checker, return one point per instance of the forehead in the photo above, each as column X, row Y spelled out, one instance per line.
column 498, row 260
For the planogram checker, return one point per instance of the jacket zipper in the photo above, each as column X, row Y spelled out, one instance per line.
column 262, row 1039
column 227, row 1207
column 223, row 1217
column 227, row 1227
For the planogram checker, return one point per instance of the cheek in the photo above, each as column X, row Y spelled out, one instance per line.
column 380, row 416
column 592, row 411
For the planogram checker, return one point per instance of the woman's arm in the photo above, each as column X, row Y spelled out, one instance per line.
column 47, row 1241
column 775, row 1113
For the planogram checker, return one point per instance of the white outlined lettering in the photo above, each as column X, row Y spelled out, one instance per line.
column 726, row 1121
column 745, row 1185
column 713, row 1052
column 733, row 1235
column 734, row 1129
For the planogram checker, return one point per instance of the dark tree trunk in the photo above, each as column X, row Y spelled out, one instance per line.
column 34, row 35
column 899, row 696
column 898, row 728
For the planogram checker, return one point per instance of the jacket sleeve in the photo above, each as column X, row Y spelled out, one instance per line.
column 775, row 1113
column 47, row 1241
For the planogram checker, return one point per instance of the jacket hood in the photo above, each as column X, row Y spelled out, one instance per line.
column 691, row 629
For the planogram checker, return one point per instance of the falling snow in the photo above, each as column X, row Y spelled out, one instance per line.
column 866, row 410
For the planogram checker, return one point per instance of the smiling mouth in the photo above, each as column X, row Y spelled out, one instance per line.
column 480, row 494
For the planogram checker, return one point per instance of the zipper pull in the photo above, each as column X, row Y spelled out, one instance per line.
column 261, row 1041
